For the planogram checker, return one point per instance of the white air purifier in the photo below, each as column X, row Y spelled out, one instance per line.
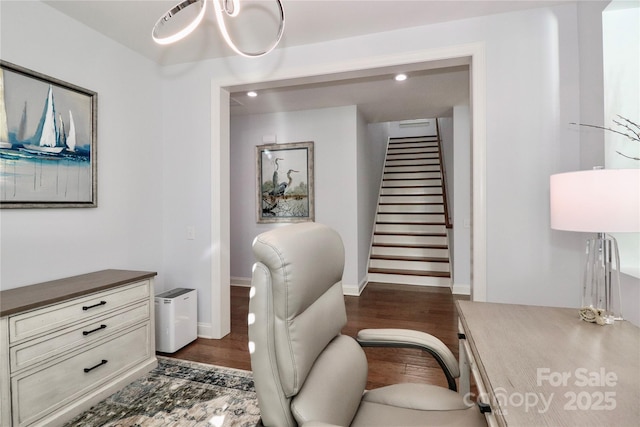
column 176, row 319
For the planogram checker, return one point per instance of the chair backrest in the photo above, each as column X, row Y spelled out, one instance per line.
column 303, row 368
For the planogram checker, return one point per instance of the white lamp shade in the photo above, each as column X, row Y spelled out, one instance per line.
column 598, row 201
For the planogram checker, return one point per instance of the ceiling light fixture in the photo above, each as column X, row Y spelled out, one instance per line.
column 252, row 94
column 230, row 8
column 400, row 77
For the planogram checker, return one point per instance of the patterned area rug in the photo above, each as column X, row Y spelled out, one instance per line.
column 179, row 394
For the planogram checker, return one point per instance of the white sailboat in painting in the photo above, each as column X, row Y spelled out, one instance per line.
column 4, row 128
column 71, row 137
column 47, row 131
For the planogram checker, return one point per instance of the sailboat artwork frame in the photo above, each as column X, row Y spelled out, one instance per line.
column 284, row 188
column 48, row 141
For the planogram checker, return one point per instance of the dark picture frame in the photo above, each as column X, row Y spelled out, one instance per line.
column 285, row 182
column 48, row 141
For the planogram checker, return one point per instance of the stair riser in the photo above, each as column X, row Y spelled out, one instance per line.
column 410, row 228
column 417, row 266
column 423, row 252
column 411, row 240
column 412, row 156
column 411, row 209
column 410, row 280
column 398, row 165
column 411, row 199
column 414, row 139
column 412, row 183
column 425, row 143
column 436, row 218
column 411, row 151
column 408, row 167
column 419, row 191
column 412, row 175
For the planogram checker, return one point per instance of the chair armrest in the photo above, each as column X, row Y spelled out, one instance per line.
column 406, row 338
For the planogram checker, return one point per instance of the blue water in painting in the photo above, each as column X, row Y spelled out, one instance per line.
column 33, row 178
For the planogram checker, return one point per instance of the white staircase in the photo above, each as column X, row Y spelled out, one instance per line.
column 410, row 244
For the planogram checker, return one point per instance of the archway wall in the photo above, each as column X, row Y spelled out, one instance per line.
column 523, row 96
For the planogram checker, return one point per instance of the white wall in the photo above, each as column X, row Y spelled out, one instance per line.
column 334, row 133
column 532, row 95
column 124, row 231
column 461, row 199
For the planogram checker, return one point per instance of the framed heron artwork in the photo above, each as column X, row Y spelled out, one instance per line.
column 285, row 182
column 48, row 132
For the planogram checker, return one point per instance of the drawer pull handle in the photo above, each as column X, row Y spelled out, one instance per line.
column 484, row 408
column 104, row 362
column 85, row 333
column 87, row 307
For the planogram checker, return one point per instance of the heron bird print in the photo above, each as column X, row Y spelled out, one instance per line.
column 281, row 200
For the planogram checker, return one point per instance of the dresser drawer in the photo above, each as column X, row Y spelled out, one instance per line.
column 69, row 339
column 38, row 393
column 44, row 320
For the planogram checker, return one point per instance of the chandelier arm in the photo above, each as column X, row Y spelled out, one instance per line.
column 234, row 10
column 179, row 35
column 225, row 34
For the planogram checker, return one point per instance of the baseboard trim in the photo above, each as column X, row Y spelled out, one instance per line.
column 241, row 281
column 205, row 330
column 461, row 289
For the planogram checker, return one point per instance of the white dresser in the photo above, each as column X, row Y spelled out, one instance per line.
column 69, row 343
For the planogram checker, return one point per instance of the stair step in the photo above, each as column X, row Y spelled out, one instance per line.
column 410, row 239
column 410, row 198
column 412, row 150
column 409, row 246
column 427, row 161
column 413, row 218
column 396, row 279
column 413, row 156
column 409, row 265
column 412, row 191
column 407, row 170
column 411, row 208
column 414, row 183
column 410, row 272
column 406, row 251
column 417, row 173
column 403, row 229
column 413, row 139
column 410, row 258
column 414, row 174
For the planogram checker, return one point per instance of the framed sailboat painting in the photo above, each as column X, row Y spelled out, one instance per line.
column 48, row 133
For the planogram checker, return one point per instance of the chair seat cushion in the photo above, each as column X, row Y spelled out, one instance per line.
column 423, row 397
column 413, row 405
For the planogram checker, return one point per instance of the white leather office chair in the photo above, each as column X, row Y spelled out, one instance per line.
column 306, row 372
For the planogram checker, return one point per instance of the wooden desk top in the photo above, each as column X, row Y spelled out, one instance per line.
column 543, row 366
column 25, row 298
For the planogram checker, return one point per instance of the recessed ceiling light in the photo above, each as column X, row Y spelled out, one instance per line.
column 400, row 77
column 252, row 94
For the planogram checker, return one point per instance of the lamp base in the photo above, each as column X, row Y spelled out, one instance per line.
column 601, row 281
column 594, row 315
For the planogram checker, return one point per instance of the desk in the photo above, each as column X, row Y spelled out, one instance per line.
column 543, row 366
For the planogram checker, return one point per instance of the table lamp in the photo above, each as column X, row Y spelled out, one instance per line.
column 598, row 201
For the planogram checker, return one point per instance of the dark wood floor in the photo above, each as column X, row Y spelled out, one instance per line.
column 430, row 310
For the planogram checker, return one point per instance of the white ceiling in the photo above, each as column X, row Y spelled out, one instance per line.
column 428, row 92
